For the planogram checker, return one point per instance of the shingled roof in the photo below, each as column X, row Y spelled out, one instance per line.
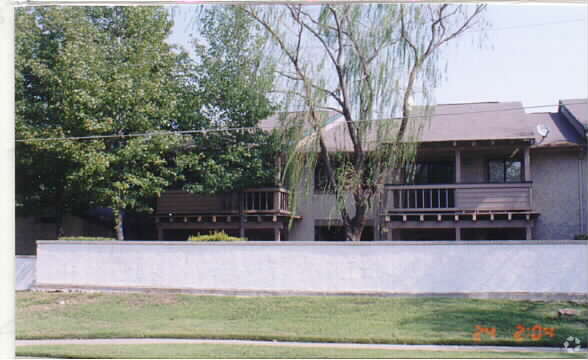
column 463, row 122
column 577, row 112
column 477, row 121
column 561, row 132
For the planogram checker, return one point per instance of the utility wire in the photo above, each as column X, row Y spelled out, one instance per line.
column 204, row 132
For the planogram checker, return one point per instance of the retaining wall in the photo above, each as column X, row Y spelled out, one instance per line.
column 373, row 267
column 25, row 272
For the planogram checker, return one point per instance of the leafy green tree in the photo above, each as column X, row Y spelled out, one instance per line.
column 44, row 169
column 94, row 72
column 232, row 80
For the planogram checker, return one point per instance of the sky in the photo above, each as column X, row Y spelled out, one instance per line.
column 535, row 54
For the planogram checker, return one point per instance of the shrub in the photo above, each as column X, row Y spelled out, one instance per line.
column 216, row 236
column 86, row 238
column 581, row 237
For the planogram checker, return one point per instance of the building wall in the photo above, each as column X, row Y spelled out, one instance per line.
column 422, row 267
column 318, row 207
column 32, row 228
column 313, row 207
column 585, row 179
column 556, row 189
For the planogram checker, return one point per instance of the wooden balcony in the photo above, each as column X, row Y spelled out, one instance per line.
column 262, row 201
column 265, row 201
column 457, row 198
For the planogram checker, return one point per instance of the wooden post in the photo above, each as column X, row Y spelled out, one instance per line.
column 242, row 226
column 277, row 196
column 458, row 233
column 458, row 166
column 529, row 233
column 527, row 162
column 277, row 234
column 278, row 173
column 377, row 210
column 390, row 232
column 241, row 216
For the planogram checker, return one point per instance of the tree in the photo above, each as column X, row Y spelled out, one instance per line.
column 44, row 169
column 96, row 72
column 365, row 63
column 232, row 81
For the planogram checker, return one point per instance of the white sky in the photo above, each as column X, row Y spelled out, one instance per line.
column 536, row 54
column 537, row 65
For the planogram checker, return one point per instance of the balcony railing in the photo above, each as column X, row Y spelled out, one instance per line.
column 457, row 197
column 251, row 201
column 270, row 200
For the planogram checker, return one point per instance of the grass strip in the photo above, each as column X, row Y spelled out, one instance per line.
column 316, row 319
column 186, row 351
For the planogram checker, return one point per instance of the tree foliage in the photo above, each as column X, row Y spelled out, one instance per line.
column 95, row 72
column 232, row 81
column 90, row 72
column 364, row 63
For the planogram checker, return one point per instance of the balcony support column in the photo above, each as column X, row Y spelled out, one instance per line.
column 390, row 233
column 527, row 161
column 377, row 210
column 241, row 215
column 457, row 233
column 457, row 166
column 529, row 233
column 277, row 234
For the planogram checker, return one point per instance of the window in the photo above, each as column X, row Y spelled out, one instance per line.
column 505, row 171
column 439, row 172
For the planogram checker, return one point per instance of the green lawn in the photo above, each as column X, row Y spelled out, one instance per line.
column 332, row 319
column 179, row 351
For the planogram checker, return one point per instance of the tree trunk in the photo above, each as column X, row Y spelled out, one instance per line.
column 353, row 233
column 59, row 205
column 59, row 224
column 354, row 227
column 118, row 225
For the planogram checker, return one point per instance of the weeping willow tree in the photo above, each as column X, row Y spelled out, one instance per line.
column 347, row 75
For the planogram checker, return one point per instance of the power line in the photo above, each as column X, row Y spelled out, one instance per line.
column 204, row 132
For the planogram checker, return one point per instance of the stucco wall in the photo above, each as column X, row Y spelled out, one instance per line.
column 556, row 189
column 25, row 272
column 585, row 180
column 389, row 267
column 313, row 207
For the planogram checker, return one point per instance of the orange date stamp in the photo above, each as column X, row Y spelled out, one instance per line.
column 534, row 333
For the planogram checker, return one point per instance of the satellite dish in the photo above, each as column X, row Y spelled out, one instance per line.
column 542, row 130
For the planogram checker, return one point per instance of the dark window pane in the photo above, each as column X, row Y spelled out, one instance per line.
column 421, row 173
column 441, row 172
column 496, row 171
column 513, row 171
